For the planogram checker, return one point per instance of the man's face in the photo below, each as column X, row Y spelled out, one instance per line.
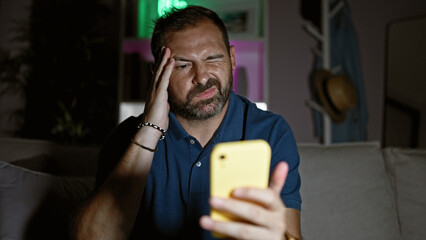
column 201, row 81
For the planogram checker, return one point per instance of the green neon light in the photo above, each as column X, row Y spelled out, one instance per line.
column 147, row 13
column 164, row 5
column 143, row 19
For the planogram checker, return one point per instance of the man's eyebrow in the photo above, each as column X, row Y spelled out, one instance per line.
column 177, row 58
column 216, row 56
column 212, row 57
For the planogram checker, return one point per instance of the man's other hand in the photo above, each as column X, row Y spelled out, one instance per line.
column 262, row 210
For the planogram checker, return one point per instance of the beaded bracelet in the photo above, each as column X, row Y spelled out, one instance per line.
column 163, row 132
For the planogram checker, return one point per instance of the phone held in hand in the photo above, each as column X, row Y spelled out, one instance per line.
column 238, row 164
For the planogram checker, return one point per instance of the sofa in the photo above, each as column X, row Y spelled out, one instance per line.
column 349, row 191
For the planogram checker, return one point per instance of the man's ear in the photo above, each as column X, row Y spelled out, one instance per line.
column 153, row 68
column 232, row 56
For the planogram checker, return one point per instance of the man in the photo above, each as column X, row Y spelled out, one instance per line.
column 154, row 188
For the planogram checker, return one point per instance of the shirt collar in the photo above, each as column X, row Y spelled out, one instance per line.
column 175, row 128
column 232, row 127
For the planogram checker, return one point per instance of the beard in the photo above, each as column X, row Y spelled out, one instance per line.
column 203, row 109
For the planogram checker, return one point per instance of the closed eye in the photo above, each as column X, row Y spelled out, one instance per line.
column 182, row 66
column 215, row 58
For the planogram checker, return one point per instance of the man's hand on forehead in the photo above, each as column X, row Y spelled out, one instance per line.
column 157, row 107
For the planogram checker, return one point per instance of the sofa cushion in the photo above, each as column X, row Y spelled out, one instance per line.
column 346, row 193
column 37, row 205
column 407, row 168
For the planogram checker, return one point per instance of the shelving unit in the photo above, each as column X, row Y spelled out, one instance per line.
column 247, row 27
column 323, row 37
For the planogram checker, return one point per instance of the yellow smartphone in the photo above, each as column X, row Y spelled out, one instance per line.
column 238, row 164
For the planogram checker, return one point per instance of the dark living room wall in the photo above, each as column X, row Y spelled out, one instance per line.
column 71, row 50
column 291, row 59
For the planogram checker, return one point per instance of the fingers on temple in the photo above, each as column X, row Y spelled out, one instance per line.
column 165, row 76
column 165, row 52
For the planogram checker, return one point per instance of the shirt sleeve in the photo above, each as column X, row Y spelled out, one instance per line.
column 114, row 147
column 284, row 148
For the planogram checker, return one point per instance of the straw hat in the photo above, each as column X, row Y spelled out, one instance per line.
column 337, row 94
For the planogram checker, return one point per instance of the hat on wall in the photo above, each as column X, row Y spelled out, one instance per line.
column 336, row 93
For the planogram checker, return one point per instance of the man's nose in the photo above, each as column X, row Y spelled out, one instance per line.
column 201, row 74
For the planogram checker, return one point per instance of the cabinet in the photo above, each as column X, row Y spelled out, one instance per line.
column 247, row 27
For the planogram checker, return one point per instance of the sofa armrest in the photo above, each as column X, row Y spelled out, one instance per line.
column 50, row 157
column 37, row 205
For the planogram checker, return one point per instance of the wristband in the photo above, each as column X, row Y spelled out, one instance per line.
column 142, row 146
column 163, row 132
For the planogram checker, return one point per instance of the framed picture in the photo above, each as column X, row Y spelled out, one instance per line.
column 241, row 17
column 249, row 72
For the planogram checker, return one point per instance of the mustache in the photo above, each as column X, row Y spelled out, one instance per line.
column 201, row 88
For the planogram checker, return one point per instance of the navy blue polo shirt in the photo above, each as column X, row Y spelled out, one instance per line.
column 177, row 189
